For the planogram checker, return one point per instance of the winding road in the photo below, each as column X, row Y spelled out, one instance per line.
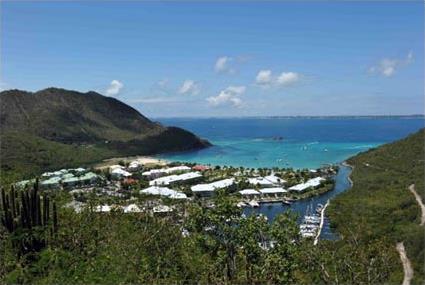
column 407, row 266
column 420, row 203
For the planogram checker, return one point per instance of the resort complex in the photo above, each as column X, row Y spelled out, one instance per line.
column 135, row 187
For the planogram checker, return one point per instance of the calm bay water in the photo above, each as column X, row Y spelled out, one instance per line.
column 271, row 210
column 289, row 142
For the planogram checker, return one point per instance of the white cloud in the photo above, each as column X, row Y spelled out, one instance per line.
column 222, row 65
column 114, row 88
column 230, row 95
column 287, row 78
column 190, row 87
column 266, row 78
column 388, row 66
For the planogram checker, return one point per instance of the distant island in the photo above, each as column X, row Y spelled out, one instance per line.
column 54, row 128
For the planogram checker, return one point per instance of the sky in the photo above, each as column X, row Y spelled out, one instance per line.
column 213, row 59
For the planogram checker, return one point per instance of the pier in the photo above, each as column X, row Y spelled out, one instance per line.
column 322, row 220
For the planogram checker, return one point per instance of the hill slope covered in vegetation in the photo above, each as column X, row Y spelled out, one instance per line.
column 61, row 128
column 379, row 205
column 218, row 245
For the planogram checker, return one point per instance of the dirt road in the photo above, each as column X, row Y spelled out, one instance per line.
column 420, row 203
column 407, row 266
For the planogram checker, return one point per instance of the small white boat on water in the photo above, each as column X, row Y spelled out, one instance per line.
column 308, row 227
column 254, row 204
column 308, row 234
column 241, row 204
column 310, row 224
column 312, row 219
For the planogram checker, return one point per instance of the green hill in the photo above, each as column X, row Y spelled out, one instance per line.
column 55, row 128
column 379, row 205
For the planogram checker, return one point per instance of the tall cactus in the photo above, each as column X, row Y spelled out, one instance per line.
column 30, row 214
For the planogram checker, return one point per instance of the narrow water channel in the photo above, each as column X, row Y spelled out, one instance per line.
column 270, row 210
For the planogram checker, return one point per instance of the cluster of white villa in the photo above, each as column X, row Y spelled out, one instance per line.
column 118, row 172
column 267, row 181
column 270, row 186
column 63, row 178
column 163, row 177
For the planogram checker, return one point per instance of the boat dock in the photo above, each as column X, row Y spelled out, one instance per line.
column 322, row 220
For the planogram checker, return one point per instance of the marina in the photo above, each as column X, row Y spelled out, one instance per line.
column 300, row 207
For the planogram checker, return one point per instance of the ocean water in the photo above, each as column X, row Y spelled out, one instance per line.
column 288, row 142
column 292, row 142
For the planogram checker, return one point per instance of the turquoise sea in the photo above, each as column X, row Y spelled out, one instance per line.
column 292, row 142
column 289, row 142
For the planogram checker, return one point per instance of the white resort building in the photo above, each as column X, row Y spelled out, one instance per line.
column 155, row 173
column 210, row 188
column 273, row 192
column 249, row 193
column 267, row 181
column 173, row 179
column 118, row 172
column 314, row 182
column 163, row 191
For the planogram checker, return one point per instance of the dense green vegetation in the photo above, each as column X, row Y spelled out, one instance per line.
column 217, row 245
column 25, row 156
column 207, row 245
column 380, row 207
column 57, row 128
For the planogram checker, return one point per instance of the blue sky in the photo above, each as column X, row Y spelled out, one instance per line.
column 222, row 59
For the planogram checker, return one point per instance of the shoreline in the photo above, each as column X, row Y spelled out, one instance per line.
column 345, row 163
column 143, row 159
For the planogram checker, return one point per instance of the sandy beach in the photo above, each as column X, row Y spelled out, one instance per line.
column 142, row 159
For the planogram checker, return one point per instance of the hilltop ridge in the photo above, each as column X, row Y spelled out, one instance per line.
column 38, row 127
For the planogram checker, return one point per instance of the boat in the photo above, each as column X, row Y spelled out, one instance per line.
column 286, row 202
column 310, row 223
column 307, row 227
column 307, row 233
column 241, row 204
column 312, row 219
column 254, row 204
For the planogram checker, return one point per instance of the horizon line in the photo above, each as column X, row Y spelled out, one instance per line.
column 290, row 116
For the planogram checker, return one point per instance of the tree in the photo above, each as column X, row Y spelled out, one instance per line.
column 253, row 239
column 281, row 262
